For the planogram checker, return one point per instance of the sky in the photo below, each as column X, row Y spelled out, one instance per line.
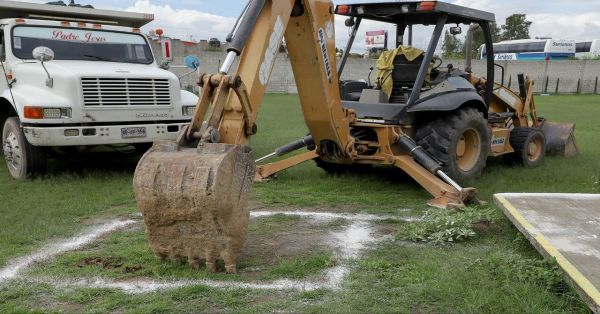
column 203, row 19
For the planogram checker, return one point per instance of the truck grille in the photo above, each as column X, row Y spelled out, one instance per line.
column 125, row 92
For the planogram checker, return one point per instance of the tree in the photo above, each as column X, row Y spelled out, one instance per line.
column 516, row 27
column 452, row 48
column 479, row 39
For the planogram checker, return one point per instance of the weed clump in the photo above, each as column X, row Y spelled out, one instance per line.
column 444, row 226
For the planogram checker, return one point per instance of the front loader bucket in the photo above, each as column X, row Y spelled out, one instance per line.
column 193, row 201
column 560, row 139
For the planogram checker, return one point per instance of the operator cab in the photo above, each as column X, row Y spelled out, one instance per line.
column 410, row 80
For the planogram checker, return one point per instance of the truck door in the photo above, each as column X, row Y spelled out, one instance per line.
column 3, row 79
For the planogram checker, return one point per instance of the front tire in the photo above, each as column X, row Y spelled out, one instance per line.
column 529, row 145
column 460, row 141
column 22, row 159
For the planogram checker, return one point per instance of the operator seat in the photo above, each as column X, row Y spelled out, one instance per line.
column 403, row 77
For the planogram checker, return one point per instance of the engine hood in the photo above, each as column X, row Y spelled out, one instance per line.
column 31, row 88
column 64, row 68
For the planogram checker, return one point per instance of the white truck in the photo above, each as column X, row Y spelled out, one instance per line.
column 74, row 76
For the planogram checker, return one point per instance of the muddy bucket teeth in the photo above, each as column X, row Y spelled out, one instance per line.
column 194, row 201
column 560, row 139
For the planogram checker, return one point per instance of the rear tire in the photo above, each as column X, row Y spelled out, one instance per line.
column 529, row 145
column 460, row 141
column 22, row 159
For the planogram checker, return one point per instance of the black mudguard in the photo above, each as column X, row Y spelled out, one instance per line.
column 450, row 101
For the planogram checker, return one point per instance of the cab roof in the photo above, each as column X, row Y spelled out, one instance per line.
column 15, row 9
column 414, row 12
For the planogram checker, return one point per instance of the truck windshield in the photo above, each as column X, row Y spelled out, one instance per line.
column 81, row 44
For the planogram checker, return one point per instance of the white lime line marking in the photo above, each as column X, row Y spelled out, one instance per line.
column 347, row 243
column 13, row 268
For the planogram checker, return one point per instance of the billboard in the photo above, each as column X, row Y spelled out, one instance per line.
column 376, row 39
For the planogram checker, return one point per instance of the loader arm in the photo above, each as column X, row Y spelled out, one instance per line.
column 308, row 29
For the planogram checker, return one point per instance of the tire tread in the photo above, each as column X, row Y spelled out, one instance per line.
column 436, row 138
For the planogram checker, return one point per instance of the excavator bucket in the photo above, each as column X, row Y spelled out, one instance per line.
column 193, row 201
column 560, row 139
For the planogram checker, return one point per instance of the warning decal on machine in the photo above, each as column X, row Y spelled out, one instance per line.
column 498, row 141
column 326, row 61
column 274, row 43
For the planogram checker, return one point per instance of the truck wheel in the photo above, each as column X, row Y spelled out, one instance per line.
column 529, row 145
column 22, row 158
column 460, row 141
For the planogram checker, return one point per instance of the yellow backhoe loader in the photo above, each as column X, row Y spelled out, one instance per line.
column 438, row 125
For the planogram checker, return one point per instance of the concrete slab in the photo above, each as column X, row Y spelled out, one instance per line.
column 565, row 227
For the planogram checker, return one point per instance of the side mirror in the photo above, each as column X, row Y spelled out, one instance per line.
column 192, row 62
column 456, row 30
column 43, row 54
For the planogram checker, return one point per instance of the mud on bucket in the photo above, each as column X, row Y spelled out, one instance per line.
column 194, row 201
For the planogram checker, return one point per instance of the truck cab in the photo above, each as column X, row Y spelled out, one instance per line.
column 81, row 77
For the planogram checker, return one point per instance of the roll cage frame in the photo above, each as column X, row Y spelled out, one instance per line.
column 405, row 14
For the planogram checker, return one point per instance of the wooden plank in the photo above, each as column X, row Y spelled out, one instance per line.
column 565, row 227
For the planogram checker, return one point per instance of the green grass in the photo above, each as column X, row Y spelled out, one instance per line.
column 302, row 267
column 56, row 206
column 496, row 271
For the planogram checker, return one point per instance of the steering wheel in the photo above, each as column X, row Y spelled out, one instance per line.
column 435, row 63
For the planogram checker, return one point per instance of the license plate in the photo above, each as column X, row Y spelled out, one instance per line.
column 133, row 132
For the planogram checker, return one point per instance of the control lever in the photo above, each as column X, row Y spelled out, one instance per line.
column 369, row 77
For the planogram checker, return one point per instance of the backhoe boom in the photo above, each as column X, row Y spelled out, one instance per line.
column 193, row 193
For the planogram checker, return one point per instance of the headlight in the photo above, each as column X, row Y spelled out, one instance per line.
column 189, row 110
column 31, row 112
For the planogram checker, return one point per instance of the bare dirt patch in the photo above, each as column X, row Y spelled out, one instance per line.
column 294, row 238
column 109, row 262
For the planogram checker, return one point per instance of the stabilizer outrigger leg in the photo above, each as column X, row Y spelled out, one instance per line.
column 265, row 171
